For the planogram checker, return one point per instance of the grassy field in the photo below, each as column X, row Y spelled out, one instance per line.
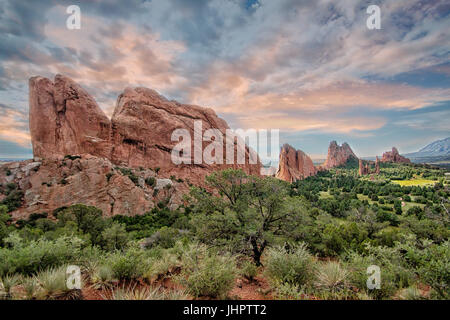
column 415, row 182
column 325, row 195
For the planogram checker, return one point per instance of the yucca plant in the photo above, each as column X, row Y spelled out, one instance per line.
column 145, row 293
column 410, row 293
column 53, row 285
column 103, row 277
column 7, row 283
column 162, row 268
column 175, row 294
column 128, row 293
column 331, row 280
column 31, row 287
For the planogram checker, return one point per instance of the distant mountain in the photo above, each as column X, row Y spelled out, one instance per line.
column 439, row 148
column 436, row 153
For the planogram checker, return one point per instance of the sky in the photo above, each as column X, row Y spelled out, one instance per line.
column 309, row 68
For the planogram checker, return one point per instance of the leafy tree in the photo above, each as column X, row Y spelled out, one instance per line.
column 115, row 237
column 398, row 207
column 87, row 218
column 253, row 209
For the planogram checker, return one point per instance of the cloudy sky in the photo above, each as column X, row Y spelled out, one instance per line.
column 309, row 68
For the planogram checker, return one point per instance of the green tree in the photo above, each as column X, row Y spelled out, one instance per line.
column 398, row 207
column 88, row 219
column 246, row 210
column 115, row 237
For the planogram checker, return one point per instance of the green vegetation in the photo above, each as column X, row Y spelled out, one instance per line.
column 310, row 239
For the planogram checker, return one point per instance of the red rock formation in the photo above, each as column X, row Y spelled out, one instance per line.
column 377, row 166
column 143, row 122
column 362, row 170
column 338, row 155
column 49, row 184
column 394, row 156
column 294, row 165
column 365, row 169
column 65, row 120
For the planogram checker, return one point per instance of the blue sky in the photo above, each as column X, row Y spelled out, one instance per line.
column 309, row 68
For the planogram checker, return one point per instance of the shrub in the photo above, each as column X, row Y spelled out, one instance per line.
column 13, row 200
column 294, row 267
column 434, row 269
column 53, row 285
column 88, row 219
column 130, row 174
column 410, row 293
column 211, row 276
column 133, row 293
column 115, row 237
column 33, row 256
column 7, row 283
column 30, row 286
column 150, row 181
column 248, row 270
column 163, row 267
column 128, row 265
column 287, row 291
column 331, row 280
column 103, row 277
column 164, row 237
column 394, row 273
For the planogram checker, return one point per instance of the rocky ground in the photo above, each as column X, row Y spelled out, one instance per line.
column 51, row 184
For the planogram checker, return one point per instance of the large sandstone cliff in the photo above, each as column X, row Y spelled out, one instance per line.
column 65, row 120
column 294, row 165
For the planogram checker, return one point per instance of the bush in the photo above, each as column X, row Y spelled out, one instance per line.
column 115, row 237
column 103, row 277
column 294, row 267
column 150, row 181
column 36, row 255
column 248, row 270
column 133, row 293
column 53, row 285
column 162, row 267
column 395, row 274
column 332, row 281
column 88, row 219
column 434, row 268
column 127, row 265
column 164, row 237
column 212, row 275
column 13, row 199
